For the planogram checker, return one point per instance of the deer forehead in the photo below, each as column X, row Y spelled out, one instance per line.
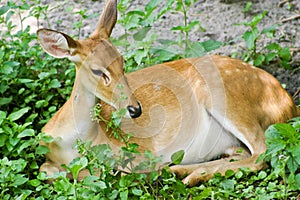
column 103, row 55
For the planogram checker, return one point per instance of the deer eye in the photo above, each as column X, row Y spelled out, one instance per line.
column 100, row 73
column 97, row 72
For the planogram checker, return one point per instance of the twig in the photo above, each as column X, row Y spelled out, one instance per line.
column 295, row 49
column 283, row 2
column 296, row 93
column 291, row 18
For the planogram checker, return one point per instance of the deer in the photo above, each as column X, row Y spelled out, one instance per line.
column 208, row 106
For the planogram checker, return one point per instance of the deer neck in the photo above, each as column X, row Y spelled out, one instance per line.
column 82, row 101
column 73, row 120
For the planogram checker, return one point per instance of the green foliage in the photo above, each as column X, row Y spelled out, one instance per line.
column 29, row 78
column 247, row 8
column 271, row 52
column 141, row 44
column 283, row 142
column 33, row 86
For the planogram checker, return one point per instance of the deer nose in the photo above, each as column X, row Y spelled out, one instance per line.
column 135, row 112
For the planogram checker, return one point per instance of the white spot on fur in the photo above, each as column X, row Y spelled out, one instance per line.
column 76, row 58
column 156, row 87
column 228, row 72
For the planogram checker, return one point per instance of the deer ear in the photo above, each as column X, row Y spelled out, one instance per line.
column 107, row 20
column 57, row 44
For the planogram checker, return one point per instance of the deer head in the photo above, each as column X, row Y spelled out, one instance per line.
column 99, row 66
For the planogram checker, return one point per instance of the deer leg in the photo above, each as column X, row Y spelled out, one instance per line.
column 49, row 167
column 204, row 171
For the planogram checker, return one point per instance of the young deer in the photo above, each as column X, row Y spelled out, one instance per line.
column 207, row 106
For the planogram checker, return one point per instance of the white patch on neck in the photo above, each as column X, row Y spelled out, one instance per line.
column 75, row 58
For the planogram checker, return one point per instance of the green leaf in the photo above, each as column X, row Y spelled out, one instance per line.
column 178, row 28
column 139, row 56
column 285, row 54
column 297, row 181
column 259, row 60
column 24, row 80
column 285, row 130
column 41, row 150
column 136, row 191
column 101, row 185
column 9, row 14
column 295, row 152
column 4, row 9
column 24, row 145
column 274, row 142
column 124, row 195
column 2, row 116
column 133, row 20
column 177, row 157
column 292, row 165
column 8, row 67
column 257, row 19
column 43, row 75
column 4, row 100
column 3, row 139
column 19, row 179
column 2, row 53
column 229, row 173
column 228, row 184
column 239, row 174
column 47, row 138
column 41, row 103
column 164, row 54
column 77, row 165
column 247, row 7
column 188, row 2
column 18, row 114
column 35, row 182
column 152, row 5
column 250, row 38
column 196, row 50
column 54, row 84
column 211, row 45
column 273, row 46
column 261, row 175
column 26, row 133
column 270, row 29
column 141, row 34
column 270, row 56
column 192, row 25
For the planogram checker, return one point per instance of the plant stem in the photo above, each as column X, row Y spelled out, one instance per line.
column 185, row 24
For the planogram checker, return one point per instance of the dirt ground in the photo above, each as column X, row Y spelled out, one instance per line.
column 218, row 17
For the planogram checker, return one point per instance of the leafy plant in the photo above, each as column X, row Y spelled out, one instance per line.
column 271, row 51
column 27, row 74
column 191, row 49
column 20, row 155
column 283, row 142
column 140, row 41
column 247, row 8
